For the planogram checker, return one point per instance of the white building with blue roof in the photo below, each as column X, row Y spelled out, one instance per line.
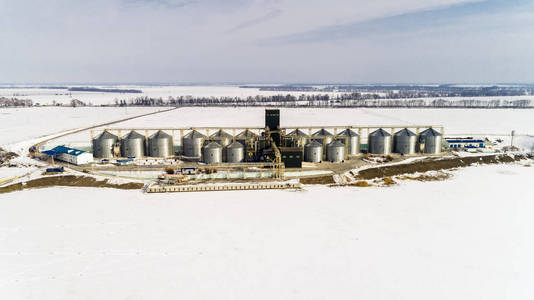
column 70, row 155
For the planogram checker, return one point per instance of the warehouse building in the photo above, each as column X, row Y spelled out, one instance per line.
column 70, row 155
column 464, row 143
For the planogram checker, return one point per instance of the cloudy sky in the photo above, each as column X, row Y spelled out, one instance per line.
column 266, row 41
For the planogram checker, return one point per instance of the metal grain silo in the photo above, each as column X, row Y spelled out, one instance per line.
column 103, row 145
column 221, row 137
column 212, row 153
column 323, row 136
column 404, row 142
column 245, row 136
column 430, row 141
column 353, row 140
column 192, row 144
column 235, row 152
column 160, row 144
column 335, row 151
column 313, row 152
column 133, row 144
column 300, row 135
column 379, row 142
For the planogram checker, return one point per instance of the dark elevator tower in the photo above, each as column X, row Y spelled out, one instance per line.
column 272, row 121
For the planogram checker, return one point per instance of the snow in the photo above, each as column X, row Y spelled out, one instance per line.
column 47, row 96
column 19, row 124
column 470, row 237
column 456, row 121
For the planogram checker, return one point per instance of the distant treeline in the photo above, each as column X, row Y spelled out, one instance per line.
column 111, row 90
column 406, row 91
column 324, row 100
column 14, row 102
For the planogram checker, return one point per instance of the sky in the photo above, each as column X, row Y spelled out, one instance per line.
column 267, row 41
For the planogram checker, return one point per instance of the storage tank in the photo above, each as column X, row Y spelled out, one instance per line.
column 430, row 141
column 103, row 145
column 212, row 153
column 379, row 142
column 244, row 136
column 192, row 144
column 335, row 151
column 160, row 144
column 313, row 152
column 323, row 135
column 404, row 142
column 221, row 137
column 300, row 135
column 235, row 152
column 133, row 144
column 353, row 140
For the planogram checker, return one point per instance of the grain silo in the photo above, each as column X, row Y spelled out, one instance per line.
column 323, row 136
column 313, row 152
column 300, row 136
column 235, row 152
column 353, row 140
column 379, row 142
column 133, row 145
column 160, row 144
column 430, row 141
column 335, row 151
column 245, row 136
column 103, row 145
column 221, row 137
column 192, row 144
column 212, row 153
column 404, row 142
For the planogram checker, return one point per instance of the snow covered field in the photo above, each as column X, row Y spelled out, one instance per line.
column 471, row 237
column 47, row 96
column 19, row 124
column 456, row 121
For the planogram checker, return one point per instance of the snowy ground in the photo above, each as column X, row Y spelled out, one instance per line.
column 19, row 124
column 470, row 237
column 47, row 96
column 456, row 121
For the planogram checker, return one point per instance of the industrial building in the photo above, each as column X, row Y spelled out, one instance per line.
column 464, row 143
column 70, row 155
column 272, row 145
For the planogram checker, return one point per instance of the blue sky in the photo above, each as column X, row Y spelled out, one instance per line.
column 185, row 41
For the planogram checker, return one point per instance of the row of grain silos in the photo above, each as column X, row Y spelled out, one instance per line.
column 218, row 147
column 404, row 141
column 134, row 144
column 379, row 142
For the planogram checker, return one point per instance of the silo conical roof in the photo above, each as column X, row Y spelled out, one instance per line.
column 194, row 134
column 299, row 133
column 322, row 132
column 348, row 132
column 106, row 135
column 246, row 134
column 336, row 143
column 380, row 132
column 430, row 132
column 235, row 145
column 134, row 135
column 160, row 135
column 404, row 132
column 314, row 144
column 212, row 145
column 222, row 134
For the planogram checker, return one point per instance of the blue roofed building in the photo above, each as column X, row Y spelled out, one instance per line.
column 70, row 155
column 465, row 143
